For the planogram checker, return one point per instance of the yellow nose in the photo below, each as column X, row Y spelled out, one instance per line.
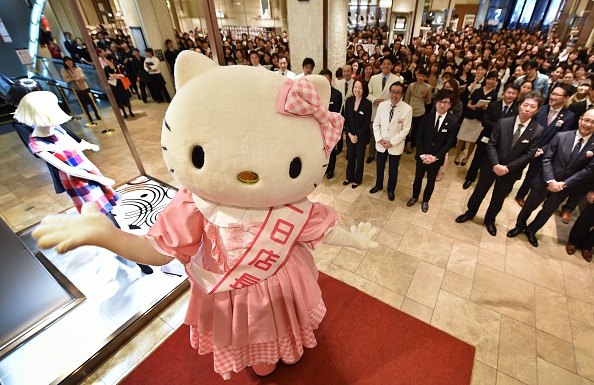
column 248, row 177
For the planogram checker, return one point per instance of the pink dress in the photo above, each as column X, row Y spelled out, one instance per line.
column 265, row 322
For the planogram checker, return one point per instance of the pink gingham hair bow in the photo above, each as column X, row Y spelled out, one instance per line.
column 301, row 99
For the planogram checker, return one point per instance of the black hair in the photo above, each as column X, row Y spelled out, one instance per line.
column 364, row 85
column 168, row 41
column 19, row 89
column 309, row 61
column 444, row 94
column 149, row 50
column 326, row 71
column 68, row 58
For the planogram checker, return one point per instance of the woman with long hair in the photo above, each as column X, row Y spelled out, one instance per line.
column 74, row 76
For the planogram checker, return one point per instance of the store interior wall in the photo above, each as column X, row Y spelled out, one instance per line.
column 16, row 16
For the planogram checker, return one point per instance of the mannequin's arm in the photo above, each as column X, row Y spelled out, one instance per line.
column 73, row 170
column 359, row 237
column 68, row 232
column 84, row 145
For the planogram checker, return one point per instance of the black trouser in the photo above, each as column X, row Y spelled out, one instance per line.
column 340, row 143
column 143, row 86
column 355, row 160
column 533, row 171
column 133, row 86
column 160, row 91
column 432, row 170
column 331, row 161
column 85, row 100
column 581, row 234
column 538, row 194
column 392, row 171
column 372, row 149
column 479, row 155
column 576, row 197
column 412, row 135
column 503, row 186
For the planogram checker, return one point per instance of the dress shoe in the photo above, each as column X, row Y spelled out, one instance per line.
column 531, row 237
column 514, row 232
column 391, row 195
column 346, row 182
column 466, row 184
column 369, row 159
column 587, row 254
column 374, row 190
column 565, row 216
column 329, row 175
column 424, row 206
column 464, row 161
column 411, row 202
column 354, row 185
column 520, row 201
column 571, row 249
column 465, row 217
column 491, row 229
column 457, row 162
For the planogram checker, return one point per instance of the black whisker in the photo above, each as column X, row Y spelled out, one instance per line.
column 325, row 165
column 166, row 125
column 171, row 171
column 164, row 148
column 315, row 185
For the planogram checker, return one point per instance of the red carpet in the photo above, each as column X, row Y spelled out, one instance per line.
column 360, row 341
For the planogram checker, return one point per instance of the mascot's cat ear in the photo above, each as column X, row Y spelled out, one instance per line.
column 190, row 64
column 323, row 87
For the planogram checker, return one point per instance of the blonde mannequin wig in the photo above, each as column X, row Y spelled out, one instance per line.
column 39, row 109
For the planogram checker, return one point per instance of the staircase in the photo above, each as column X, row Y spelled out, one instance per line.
column 5, row 111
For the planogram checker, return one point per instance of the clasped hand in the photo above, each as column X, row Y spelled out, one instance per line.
column 385, row 143
column 428, row 159
column 500, row 169
column 555, row 186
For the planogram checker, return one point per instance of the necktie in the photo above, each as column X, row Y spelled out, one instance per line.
column 437, row 123
column 552, row 116
column 383, row 82
column 346, row 88
column 391, row 113
column 576, row 150
column 505, row 110
column 517, row 134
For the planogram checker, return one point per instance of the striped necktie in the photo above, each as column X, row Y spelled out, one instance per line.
column 391, row 113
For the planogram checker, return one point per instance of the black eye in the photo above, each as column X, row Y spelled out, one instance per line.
column 295, row 168
column 198, row 157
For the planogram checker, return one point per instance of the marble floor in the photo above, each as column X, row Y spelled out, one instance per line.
column 529, row 311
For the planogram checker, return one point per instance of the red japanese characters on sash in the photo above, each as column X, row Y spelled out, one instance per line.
column 266, row 254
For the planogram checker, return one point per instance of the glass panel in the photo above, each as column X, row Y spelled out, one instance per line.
column 516, row 14
column 527, row 12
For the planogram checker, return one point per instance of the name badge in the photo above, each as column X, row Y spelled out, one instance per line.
column 525, row 141
column 331, row 102
column 485, row 139
column 444, row 130
column 361, row 112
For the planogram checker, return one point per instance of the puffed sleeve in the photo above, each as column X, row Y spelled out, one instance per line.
column 323, row 219
column 178, row 229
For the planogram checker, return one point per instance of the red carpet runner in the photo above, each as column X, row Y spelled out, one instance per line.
column 361, row 341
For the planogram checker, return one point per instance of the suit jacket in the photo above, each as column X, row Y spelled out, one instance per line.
column 578, row 109
column 170, row 56
column 516, row 158
column 340, row 87
column 70, row 46
column 394, row 131
column 436, row 143
column 357, row 122
column 335, row 100
column 103, row 44
column 563, row 122
column 376, row 91
column 493, row 113
column 556, row 164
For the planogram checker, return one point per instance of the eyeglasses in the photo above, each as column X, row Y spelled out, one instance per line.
column 562, row 96
column 396, row 92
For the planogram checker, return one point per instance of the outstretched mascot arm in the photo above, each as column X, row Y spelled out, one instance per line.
column 359, row 237
column 67, row 232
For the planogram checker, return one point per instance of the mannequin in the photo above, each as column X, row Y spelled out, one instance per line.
column 82, row 180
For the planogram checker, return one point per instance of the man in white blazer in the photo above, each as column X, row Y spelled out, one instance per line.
column 345, row 85
column 390, row 127
column 379, row 90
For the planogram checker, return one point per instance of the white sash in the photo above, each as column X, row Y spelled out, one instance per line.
column 267, row 253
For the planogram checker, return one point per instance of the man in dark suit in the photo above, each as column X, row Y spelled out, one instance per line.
column 555, row 118
column 103, row 42
column 436, row 135
column 334, row 106
column 579, row 108
column 582, row 233
column 70, row 46
column 505, row 108
column 567, row 163
column 170, row 54
column 512, row 145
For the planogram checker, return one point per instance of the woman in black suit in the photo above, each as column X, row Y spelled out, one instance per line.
column 357, row 115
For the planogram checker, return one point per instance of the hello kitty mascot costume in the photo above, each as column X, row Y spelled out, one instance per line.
column 248, row 146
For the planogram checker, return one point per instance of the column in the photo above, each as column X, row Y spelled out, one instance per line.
column 337, row 33
column 157, row 27
column 305, row 29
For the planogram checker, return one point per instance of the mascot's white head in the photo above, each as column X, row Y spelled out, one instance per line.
column 236, row 136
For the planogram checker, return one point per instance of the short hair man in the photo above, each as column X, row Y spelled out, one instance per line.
column 283, row 64
column 540, row 82
column 511, row 147
column 567, row 163
column 308, row 67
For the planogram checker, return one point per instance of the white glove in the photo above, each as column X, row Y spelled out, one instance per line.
column 359, row 237
column 89, row 146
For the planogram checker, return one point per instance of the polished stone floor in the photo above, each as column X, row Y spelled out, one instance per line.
column 529, row 311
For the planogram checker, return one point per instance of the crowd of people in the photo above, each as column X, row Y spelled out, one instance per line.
column 503, row 99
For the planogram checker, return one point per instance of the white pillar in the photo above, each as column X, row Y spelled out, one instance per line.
column 337, row 33
column 305, row 29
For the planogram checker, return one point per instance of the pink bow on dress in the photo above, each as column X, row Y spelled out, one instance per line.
column 300, row 98
column 236, row 233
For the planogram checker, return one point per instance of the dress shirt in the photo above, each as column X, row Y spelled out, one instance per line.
column 553, row 114
column 155, row 68
column 518, row 122
column 584, row 140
